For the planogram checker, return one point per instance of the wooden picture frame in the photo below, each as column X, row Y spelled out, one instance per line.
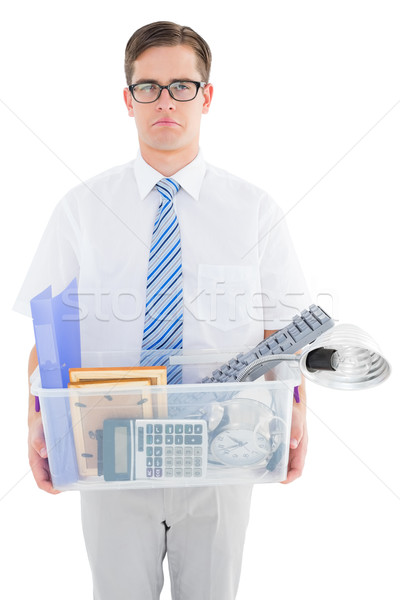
column 156, row 374
column 88, row 413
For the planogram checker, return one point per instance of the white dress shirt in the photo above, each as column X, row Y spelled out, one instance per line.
column 240, row 272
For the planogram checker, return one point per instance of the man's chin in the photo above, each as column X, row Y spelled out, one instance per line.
column 165, row 146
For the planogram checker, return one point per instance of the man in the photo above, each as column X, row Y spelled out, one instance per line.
column 232, row 250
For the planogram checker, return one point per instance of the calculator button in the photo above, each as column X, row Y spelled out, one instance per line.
column 178, row 461
column 188, row 451
column 198, row 462
column 188, row 428
column 188, row 472
column 149, row 462
column 193, row 439
column 197, row 472
column 179, row 439
column 179, row 451
column 158, row 428
column 198, row 451
column 158, row 451
column 149, row 472
column 169, row 472
column 178, row 472
column 189, row 461
column 158, row 472
column 169, row 462
column 169, row 439
column 169, row 429
column 149, row 428
column 198, row 428
column 140, row 439
column 158, row 439
column 169, row 451
column 178, row 428
column 149, row 439
column 149, row 451
column 157, row 462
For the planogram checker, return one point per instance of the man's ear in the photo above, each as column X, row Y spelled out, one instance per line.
column 128, row 101
column 208, row 94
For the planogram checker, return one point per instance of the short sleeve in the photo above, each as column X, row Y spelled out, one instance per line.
column 56, row 261
column 284, row 288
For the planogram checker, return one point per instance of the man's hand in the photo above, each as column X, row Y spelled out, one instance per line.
column 298, row 444
column 38, row 456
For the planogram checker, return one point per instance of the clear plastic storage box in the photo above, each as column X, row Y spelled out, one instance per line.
column 145, row 436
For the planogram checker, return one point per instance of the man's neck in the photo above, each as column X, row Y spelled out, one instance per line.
column 168, row 162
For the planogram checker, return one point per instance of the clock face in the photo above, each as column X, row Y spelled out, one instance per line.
column 239, row 447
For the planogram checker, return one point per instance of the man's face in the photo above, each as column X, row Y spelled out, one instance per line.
column 168, row 124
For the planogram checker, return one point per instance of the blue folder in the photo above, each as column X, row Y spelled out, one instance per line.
column 58, row 345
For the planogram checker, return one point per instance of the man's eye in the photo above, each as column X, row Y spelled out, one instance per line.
column 180, row 86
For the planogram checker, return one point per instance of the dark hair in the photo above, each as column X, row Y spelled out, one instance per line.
column 166, row 33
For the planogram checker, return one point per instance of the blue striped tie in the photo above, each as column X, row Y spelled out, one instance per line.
column 163, row 324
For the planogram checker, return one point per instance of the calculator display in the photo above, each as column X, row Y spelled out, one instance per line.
column 121, row 449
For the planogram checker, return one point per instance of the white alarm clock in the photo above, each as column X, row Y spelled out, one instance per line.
column 240, row 433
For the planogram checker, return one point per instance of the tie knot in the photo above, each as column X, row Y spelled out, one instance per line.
column 168, row 187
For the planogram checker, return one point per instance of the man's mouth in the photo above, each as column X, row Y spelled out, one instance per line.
column 166, row 122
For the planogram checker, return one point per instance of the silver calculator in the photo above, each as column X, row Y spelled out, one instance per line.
column 155, row 449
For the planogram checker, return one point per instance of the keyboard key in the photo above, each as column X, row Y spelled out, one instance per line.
column 169, row 439
column 158, row 428
column 179, row 440
column 158, row 451
column 285, row 345
column 169, row 429
column 188, row 428
column 178, row 428
column 198, row 428
column 188, row 472
column 158, row 439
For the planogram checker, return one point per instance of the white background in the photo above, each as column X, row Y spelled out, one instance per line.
column 306, row 106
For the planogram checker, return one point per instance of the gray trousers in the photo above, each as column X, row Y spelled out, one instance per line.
column 201, row 529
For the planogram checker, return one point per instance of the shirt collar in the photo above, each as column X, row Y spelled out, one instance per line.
column 190, row 177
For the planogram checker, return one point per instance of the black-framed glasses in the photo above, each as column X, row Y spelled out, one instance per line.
column 182, row 91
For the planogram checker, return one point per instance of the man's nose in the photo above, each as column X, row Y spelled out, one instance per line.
column 165, row 101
